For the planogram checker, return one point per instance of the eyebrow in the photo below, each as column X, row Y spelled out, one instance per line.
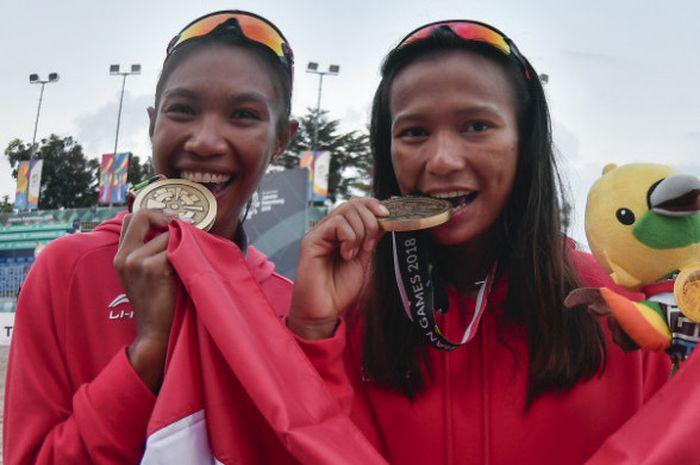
column 180, row 92
column 250, row 97
column 245, row 97
column 476, row 109
column 471, row 110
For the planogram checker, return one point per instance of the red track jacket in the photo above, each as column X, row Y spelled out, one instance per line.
column 473, row 410
column 237, row 388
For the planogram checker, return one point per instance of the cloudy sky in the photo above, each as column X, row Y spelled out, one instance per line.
column 623, row 73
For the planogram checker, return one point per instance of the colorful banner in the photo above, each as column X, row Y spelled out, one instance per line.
column 34, row 184
column 119, row 174
column 306, row 159
column 318, row 164
column 113, row 174
column 22, row 184
column 322, row 164
column 106, row 178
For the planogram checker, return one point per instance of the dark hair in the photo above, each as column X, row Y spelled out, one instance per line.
column 564, row 345
column 281, row 78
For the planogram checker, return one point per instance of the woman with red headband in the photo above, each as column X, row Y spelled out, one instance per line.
column 89, row 347
column 454, row 345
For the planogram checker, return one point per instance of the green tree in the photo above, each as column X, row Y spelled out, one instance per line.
column 6, row 206
column 67, row 178
column 351, row 161
column 138, row 171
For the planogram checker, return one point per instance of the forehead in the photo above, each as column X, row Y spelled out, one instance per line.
column 465, row 74
column 222, row 68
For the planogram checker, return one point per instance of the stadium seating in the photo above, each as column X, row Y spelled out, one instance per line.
column 22, row 234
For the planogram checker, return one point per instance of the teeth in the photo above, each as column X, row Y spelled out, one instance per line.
column 212, row 178
column 458, row 199
column 449, row 194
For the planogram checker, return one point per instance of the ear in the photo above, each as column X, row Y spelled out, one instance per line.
column 284, row 138
column 151, row 120
column 609, row 167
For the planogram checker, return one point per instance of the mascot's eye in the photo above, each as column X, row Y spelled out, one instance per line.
column 625, row 216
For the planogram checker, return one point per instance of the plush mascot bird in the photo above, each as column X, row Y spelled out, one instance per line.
column 643, row 226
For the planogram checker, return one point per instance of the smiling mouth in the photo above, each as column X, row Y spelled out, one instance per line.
column 458, row 199
column 215, row 182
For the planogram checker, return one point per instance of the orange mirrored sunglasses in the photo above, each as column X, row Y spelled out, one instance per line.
column 251, row 26
column 470, row 30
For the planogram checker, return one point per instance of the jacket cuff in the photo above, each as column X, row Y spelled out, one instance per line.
column 327, row 356
column 115, row 407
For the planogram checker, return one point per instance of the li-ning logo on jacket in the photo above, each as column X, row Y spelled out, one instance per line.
column 116, row 313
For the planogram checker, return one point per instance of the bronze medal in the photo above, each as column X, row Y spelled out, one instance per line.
column 413, row 213
column 190, row 200
column 686, row 289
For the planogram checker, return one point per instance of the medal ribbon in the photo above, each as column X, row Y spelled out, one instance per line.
column 416, row 288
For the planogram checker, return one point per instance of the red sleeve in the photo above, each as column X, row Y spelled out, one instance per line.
column 47, row 420
column 328, row 357
column 338, row 362
column 664, row 431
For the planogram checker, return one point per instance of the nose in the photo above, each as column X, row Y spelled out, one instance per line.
column 446, row 154
column 206, row 138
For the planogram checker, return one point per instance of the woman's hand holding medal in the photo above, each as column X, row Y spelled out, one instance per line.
column 149, row 281
column 335, row 256
column 332, row 266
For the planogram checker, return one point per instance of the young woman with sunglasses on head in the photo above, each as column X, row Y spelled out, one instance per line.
column 460, row 115
column 90, row 339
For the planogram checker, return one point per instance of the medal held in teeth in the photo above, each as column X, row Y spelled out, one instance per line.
column 413, row 213
column 189, row 200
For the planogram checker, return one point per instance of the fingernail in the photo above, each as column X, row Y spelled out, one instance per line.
column 353, row 252
column 383, row 209
column 170, row 212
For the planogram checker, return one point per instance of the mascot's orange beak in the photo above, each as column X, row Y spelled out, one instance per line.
column 676, row 195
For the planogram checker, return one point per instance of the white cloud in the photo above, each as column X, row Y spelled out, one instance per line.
column 96, row 131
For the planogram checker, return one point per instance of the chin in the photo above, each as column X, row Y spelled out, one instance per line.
column 461, row 230
column 450, row 235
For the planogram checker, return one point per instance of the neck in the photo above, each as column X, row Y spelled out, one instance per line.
column 464, row 266
column 238, row 236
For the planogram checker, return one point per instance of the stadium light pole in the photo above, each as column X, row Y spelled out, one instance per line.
column 114, row 71
column 333, row 70
column 312, row 68
column 34, row 79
